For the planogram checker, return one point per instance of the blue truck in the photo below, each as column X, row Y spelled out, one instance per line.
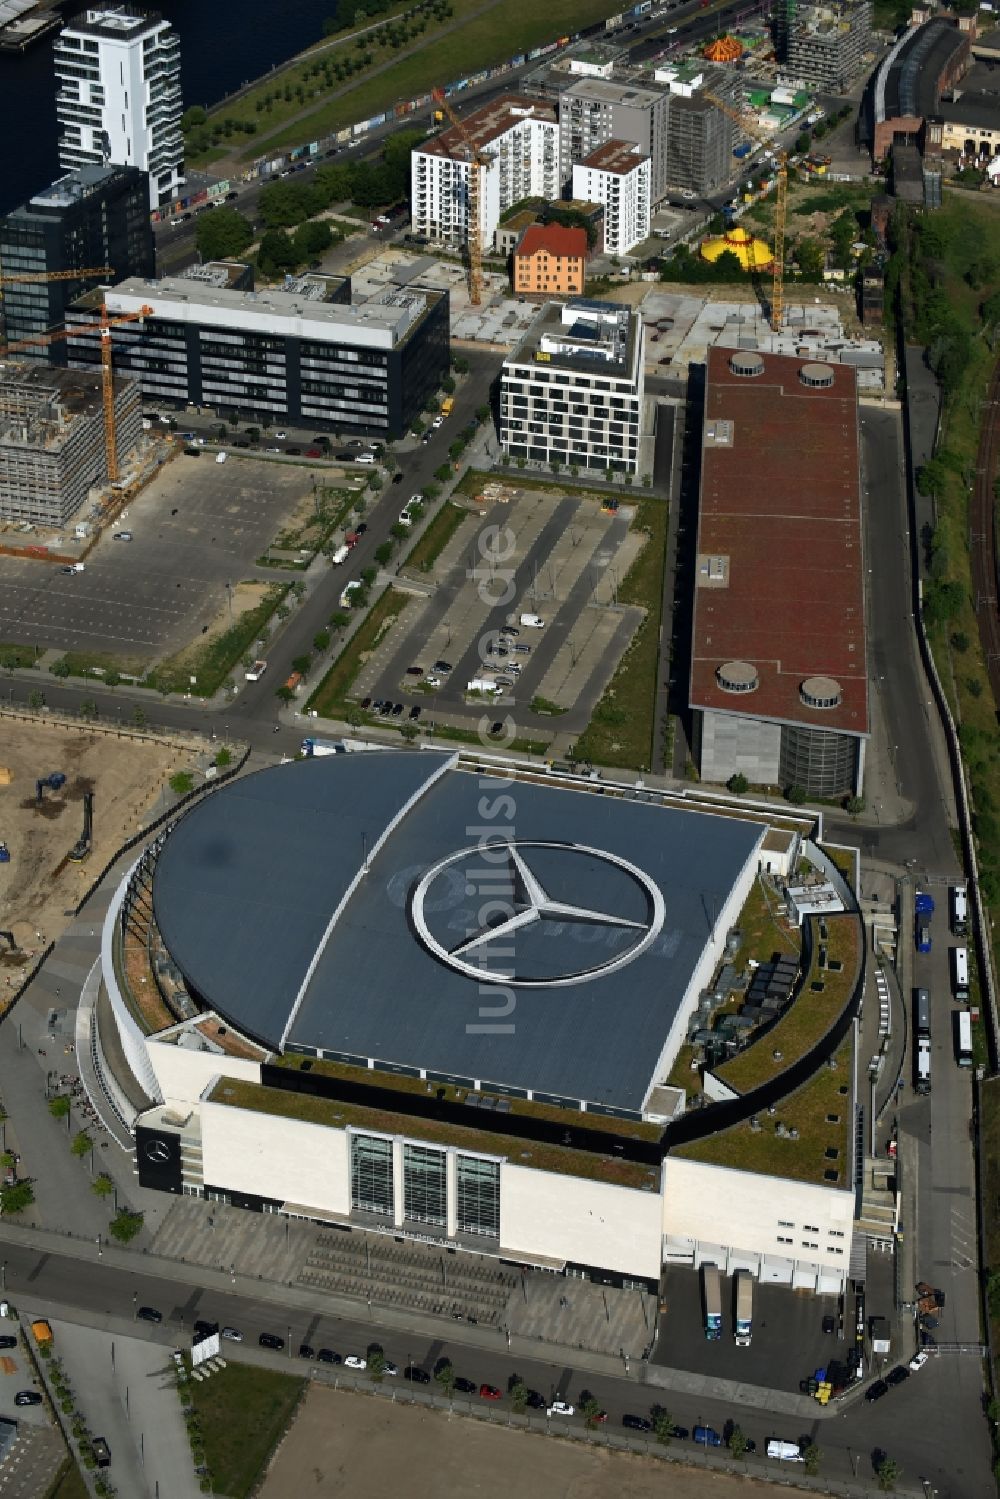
column 923, row 910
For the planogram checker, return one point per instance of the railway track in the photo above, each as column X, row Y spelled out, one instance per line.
column 985, row 573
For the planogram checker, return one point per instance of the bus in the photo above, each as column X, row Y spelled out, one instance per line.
column 959, row 910
column 922, row 1012
column 922, row 1066
column 963, row 1038
column 960, row 974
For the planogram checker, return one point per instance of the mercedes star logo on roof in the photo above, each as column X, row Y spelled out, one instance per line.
column 529, row 907
column 157, row 1150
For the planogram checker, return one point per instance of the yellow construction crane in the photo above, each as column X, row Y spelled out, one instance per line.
column 104, row 328
column 748, row 123
column 477, row 160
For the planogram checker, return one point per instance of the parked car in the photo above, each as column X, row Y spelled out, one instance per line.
column 414, row 671
column 397, row 710
column 443, row 666
column 123, row 536
column 679, row 1433
column 896, row 1376
column 707, row 1436
column 27, row 1397
column 829, row 1324
column 306, row 1351
column 465, row 1386
column 509, row 630
column 415, row 1375
column 918, row 1361
column 490, row 1392
column 8, row 1342
column 561, row 1408
column 637, row 1423
column 415, row 712
column 233, row 1334
column 149, row 1314
column 203, row 1329
column 361, row 528
column 354, row 1361
column 313, row 453
column 535, row 1401
column 876, row 1391
column 327, row 1356
column 272, row 1341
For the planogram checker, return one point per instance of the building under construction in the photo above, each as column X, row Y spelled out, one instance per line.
column 826, row 44
column 52, row 442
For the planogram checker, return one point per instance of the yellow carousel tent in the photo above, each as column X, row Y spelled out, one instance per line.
column 752, row 254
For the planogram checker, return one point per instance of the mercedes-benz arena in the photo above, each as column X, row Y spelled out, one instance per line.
column 427, row 999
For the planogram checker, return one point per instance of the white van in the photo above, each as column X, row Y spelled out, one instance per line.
column 341, row 555
column 785, row 1452
column 220, row 457
column 532, row 622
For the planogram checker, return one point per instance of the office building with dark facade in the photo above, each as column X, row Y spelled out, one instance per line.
column 93, row 216
column 303, row 354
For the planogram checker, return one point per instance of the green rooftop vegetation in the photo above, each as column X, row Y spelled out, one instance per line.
column 570, row 1118
column 824, row 993
column 820, row 1113
column 337, row 1115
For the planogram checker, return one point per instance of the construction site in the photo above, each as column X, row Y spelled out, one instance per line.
column 70, row 796
column 54, row 442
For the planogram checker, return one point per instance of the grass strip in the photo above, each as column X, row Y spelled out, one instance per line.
column 621, row 730
column 211, row 664
column 330, row 697
column 436, row 537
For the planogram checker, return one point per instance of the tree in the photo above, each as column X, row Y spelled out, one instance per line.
column 285, row 693
column 223, row 233
column 82, row 1144
column 590, row 1410
column 518, row 1392
column 338, row 621
column 812, row 1456
column 888, row 1472
column 88, row 709
column 276, row 253
column 737, row 1442
column 139, row 716
column 383, row 553
column 810, row 258
column 60, row 668
column 802, row 143
column 223, row 758
column 409, row 732
column 125, row 1226
column 854, row 805
column 59, row 1106
column 15, row 1198
column 738, row 783
column 321, row 640
column 102, row 1186
column 376, row 1362
column 312, row 238
column 796, row 795
column 181, row 782
column 36, row 700
column 663, row 1425
column 301, row 664
column 445, row 1376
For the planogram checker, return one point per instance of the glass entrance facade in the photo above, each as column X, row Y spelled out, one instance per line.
column 371, row 1175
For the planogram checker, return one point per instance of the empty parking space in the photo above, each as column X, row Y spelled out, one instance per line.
column 558, row 558
column 196, row 529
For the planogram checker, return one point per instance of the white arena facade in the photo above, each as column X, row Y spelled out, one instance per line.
column 414, row 994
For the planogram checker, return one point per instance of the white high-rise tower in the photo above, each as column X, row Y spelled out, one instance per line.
column 118, row 98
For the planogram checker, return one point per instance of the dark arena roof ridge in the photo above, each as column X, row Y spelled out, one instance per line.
column 393, row 906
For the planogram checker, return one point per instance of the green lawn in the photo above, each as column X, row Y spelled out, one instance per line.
column 244, row 1412
column 621, row 730
column 489, row 38
column 809, row 1016
column 330, row 697
column 68, row 1483
column 810, row 1110
column 97, row 664
column 436, row 537
column 211, row 664
column 14, row 656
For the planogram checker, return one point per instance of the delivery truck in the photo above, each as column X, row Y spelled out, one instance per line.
column 744, row 1308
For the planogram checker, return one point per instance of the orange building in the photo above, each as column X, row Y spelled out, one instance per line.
column 551, row 260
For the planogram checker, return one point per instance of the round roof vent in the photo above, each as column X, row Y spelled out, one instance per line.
column 821, row 692
column 737, row 676
column 817, row 376
column 745, row 364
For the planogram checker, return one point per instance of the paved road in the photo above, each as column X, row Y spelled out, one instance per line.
column 75, row 1288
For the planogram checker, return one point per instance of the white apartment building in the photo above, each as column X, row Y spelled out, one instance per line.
column 617, row 176
column 520, row 138
column 118, row 99
column 572, row 391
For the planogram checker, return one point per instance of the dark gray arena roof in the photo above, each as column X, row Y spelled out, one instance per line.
column 393, row 906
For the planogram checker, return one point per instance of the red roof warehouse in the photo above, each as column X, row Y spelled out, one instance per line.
column 778, row 674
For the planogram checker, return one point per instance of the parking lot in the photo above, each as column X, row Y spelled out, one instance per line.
column 563, row 561
column 788, row 1343
column 198, row 526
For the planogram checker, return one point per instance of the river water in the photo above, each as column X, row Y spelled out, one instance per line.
column 223, row 44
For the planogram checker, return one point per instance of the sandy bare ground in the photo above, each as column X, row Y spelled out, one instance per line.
column 341, row 1443
column 126, row 775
